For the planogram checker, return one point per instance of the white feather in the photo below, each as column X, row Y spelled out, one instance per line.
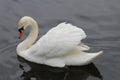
column 60, row 40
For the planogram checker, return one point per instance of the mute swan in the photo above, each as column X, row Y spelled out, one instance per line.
column 60, row 46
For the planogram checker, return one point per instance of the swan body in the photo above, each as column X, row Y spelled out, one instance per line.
column 60, row 46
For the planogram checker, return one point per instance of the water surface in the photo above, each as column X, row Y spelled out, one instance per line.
column 100, row 19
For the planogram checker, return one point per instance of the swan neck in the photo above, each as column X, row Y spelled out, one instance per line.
column 29, row 41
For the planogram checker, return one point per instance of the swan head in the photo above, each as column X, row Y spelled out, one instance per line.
column 23, row 23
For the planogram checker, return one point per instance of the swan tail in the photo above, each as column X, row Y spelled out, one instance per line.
column 81, row 58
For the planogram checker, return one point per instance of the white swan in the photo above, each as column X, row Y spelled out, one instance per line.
column 60, row 46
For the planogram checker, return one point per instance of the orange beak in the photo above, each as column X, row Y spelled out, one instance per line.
column 20, row 34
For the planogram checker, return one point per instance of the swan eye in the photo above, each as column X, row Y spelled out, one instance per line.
column 21, row 29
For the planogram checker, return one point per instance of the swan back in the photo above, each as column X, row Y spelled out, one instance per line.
column 60, row 40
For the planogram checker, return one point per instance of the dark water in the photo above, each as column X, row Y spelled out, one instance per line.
column 99, row 18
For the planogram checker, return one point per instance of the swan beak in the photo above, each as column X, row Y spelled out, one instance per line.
column 21, row 32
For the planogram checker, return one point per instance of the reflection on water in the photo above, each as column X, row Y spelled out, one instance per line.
column 43, row 72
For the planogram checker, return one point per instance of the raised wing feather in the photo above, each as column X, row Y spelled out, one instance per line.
column 60, row 40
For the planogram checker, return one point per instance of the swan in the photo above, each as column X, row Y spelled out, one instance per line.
column 60, row 46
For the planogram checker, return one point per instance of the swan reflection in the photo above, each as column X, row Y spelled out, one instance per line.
column 33, row 71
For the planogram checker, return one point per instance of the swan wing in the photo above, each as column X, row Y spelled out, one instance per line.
column 60, row 40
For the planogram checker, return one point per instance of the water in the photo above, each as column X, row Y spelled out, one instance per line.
column 99, row 18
